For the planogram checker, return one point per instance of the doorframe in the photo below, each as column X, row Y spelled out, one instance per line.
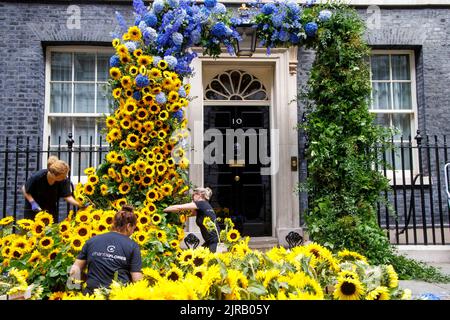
column 282, row 117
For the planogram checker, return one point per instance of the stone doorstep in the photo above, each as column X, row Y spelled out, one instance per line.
column 430, row 253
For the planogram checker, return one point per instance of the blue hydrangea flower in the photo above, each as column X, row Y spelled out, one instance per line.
column 114, row 61
column 131, row 46
column 219, row 8
column 156, row 60
column 195, row 36
column 158, row 6
column 142, row 26
column 429, row 296
column 182, row 92
column 325, row 15
column 309, row 3
column 161, row 98
column 171, row 61
column 121, row 21
column 277, row 20
column 150, row 19
column 173, row 3
column 142, row 81
column 150, row 34
column 139, row 7
column 219, row 30
column 178, row 115
column 283, row 35
column 177, row 38
column 268, row 8
column 311, row 29
column 210, row 3
column 137, row 95
column 294, row 7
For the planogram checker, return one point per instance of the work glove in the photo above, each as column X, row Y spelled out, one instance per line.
column 35, row 206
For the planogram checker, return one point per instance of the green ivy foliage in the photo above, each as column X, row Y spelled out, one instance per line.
column 342, row 183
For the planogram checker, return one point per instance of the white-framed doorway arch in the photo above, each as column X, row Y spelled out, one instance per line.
column 282, row 85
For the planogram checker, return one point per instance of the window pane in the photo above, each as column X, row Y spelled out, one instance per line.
column 402, row 160
column 61, row 97
column 382, row 119
column 380, row 67
column 400, row 67
column 60, row 127
column 103, row 67
column 84, row 128
column 104, row 98
column 402, row 95
column 84, row 66
column 381, row 93
column 84, row 98
column 403, row 123
column 100, row 132
column 61, row 69
column 80, row 160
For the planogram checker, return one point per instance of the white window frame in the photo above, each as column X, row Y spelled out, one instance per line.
column 48, row 114
column 413, row 112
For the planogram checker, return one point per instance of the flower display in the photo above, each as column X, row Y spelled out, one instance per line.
column 308, row 272
column 285, row 23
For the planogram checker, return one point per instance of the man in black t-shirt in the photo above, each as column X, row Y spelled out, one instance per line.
column 109, row 254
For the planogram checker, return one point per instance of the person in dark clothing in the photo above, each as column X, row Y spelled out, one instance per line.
column 44, row 188
column 201, row 208
column 110, row 254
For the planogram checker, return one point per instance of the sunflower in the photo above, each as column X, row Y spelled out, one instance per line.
column 161, row 168
column 125, row 171
column 347, row 255
column 141, row 237
column 44, row 217
column 392, row 281
column 173, row 96
column 96, row 215
column 93, row 179
column 110, row 123
column 174, row 274
column 113, row 135
column 132, row 140
column 125, row 123
column 152, row 195
column 126, row 82
column 52, row 255
column 140, row 165
column 83, row 231
column 148, row 98
column 25, row 224
column 145, row 140
column 163, row 115
column 347, row 274
column 137, row 53
column 155, row 73
column 120, row 158
column 122, row 49
column 115, row 73
column 123, row 144
column 115, row 42
column 174, row 243
column 143, row 70
column 141, row 114
column 35, row 257
column 167, row 189
column 154, row 109
column 151, row 207
column 76, row 243
column 162, row 64
column 58, row 295
column 134, row 33
column 156, row 219
column 89, row 189
column 233, row 235
column 161, row 235
column 379, row 293
column 124, row 188
column 130, row 108
column 183, row 163
column 46, row 243
column 64, row 227
column 16, row 253
column 348, row 289
column 133, row 71
column 125, row 58
column 144, row 60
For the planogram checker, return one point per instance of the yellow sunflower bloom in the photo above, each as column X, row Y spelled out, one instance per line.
column 379, row 293
column 348, row 289
column 134, row 33
column 44, row 217
column 46, row 243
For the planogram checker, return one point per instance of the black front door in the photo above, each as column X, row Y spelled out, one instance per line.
column 233, row 172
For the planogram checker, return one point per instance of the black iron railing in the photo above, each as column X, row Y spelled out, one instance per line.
column 416, row 210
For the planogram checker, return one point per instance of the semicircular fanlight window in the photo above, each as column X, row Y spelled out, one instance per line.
column 235, row 85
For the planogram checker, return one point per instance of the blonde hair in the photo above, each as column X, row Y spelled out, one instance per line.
column 204, row 192
column 57, row 167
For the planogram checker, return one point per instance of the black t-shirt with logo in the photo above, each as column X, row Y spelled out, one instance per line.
column 205, row 210
column 107, row 254
column 44, row 194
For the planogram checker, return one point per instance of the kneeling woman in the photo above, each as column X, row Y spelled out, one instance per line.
column 111, row 253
